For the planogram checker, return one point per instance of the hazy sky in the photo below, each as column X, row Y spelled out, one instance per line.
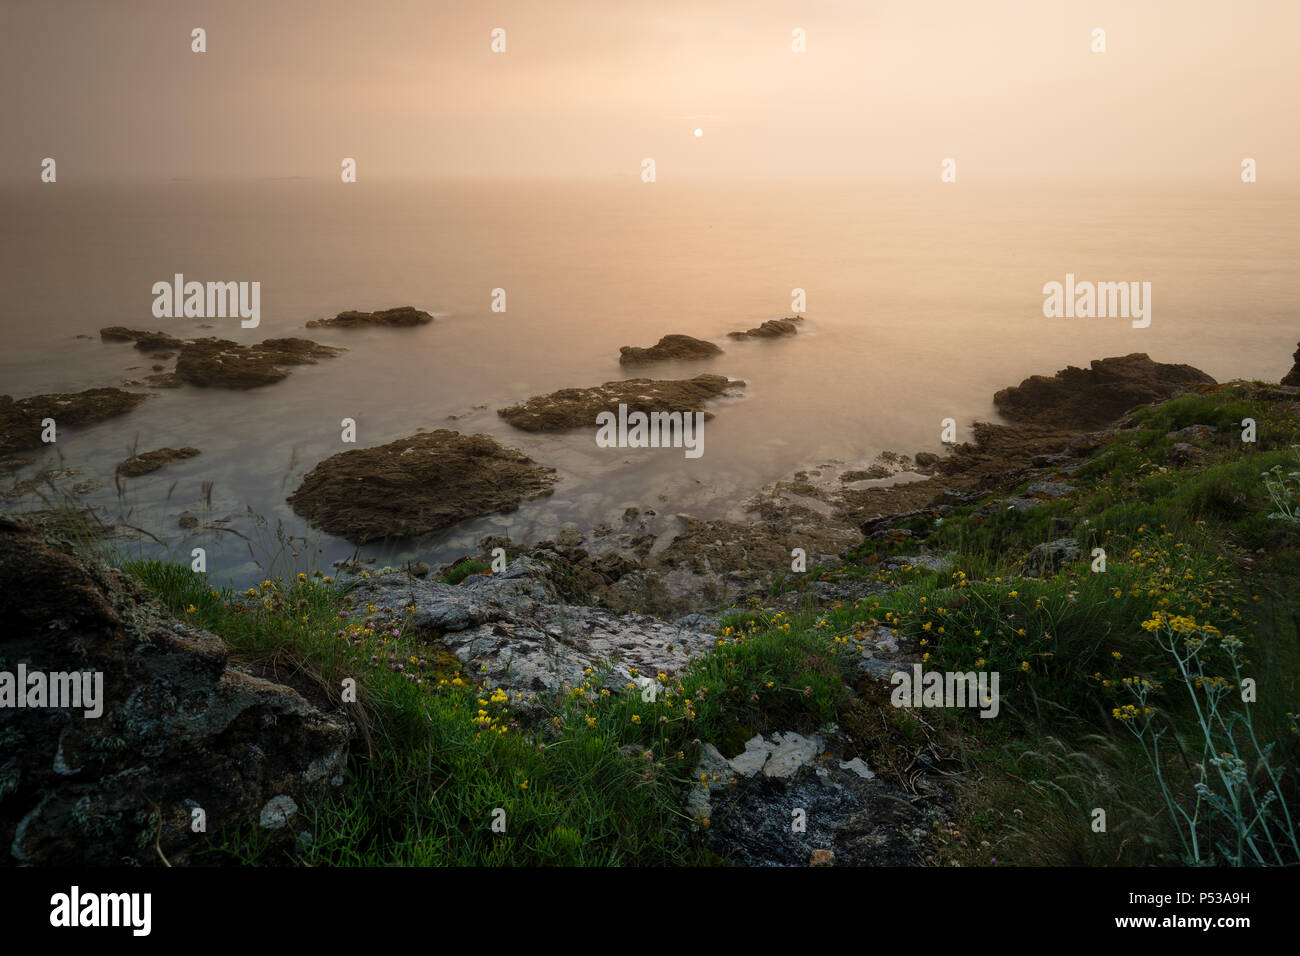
column 587, row 88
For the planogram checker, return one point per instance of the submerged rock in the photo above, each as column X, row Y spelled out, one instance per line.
column 771, row 329
column 148, row 461
column 144, row 341
column 1097, row 396
column 578, row 407
column 401, row 317
column 20, row 419
column 180, row 726
column 222, row 363
column 668, row 347
column 417, row 485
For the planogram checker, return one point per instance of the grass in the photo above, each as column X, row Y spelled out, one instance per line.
column 452, row 773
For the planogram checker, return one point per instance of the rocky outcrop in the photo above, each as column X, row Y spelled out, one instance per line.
column 221, row 363
column 20, row 419
column 771, row 329
column 402, row 317
column 1292, row 378
column 417, row 485
column 176, row 727
column 148, row 461
column 578, row 407
column 1096, row 396
column 668, row 347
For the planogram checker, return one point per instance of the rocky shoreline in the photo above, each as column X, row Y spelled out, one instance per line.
column 541, row 619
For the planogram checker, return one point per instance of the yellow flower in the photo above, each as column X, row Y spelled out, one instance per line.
column 1024, row 665
column 636, row 718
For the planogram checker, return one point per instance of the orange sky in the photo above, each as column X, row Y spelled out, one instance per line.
column 885, row 91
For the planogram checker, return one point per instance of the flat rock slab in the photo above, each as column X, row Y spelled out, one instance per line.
column 417, row 485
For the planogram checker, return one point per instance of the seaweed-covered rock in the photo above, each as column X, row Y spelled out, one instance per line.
column 668, row 347
column 402, row 317
column 174, row 727
column 148, row 461
column 144, row 341
column 578, row 407
column 771, row 329
column 20, row 419
column 222, row 363
column 417, row 485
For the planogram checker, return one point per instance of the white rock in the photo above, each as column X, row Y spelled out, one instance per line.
column 277, row 811
column 858, row 766
column 792, row 752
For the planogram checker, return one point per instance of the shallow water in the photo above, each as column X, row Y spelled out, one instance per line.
column 921, row 302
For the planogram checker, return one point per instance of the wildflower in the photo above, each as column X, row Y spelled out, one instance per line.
column 636, row 718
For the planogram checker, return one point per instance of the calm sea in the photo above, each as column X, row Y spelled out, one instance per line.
column 921, row 302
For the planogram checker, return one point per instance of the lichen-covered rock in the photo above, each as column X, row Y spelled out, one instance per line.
column 417, row 485
column 512, row 631
column 793, row 801
column 180, row 728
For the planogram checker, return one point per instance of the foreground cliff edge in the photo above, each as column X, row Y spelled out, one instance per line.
column 503, row 717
